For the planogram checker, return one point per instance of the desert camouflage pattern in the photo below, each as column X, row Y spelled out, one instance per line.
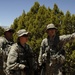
column 18, row 56
column 54, row 61
column 5, row 46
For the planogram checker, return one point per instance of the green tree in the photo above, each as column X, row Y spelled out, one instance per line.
column 1, row 31
column 67, row 23
column 73, row 22
column 21, row 21
column 36, row 20
column 34, row 8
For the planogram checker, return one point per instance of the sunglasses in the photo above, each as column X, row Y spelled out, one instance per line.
column 25, row 35
column 51, row 28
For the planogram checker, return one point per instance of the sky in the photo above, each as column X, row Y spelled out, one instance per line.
column 11, row 9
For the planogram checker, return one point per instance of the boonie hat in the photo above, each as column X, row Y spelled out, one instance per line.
column 22, row 32
column 9, row 30
column 51, row 26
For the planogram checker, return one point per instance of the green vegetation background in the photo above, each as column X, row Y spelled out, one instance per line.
column 36, row 20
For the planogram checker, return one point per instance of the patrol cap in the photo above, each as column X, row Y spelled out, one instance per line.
column 9, row 30
column 51, row 26
column 22, row 32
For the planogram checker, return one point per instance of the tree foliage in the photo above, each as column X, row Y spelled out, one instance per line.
column 36, row 20
column 1, row 31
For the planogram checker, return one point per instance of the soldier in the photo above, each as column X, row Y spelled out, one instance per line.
column 20, row 58
column 52, row 54
column 5, row 43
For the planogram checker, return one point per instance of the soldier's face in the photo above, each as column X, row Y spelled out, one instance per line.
column 9, row 35
column 24, row 38
column 51, row 32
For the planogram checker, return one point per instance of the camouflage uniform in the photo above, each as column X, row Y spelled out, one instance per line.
column 20, row 55
column 50, row 47
column 5, row 45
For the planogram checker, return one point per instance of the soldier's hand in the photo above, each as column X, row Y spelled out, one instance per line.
column 22, row 66
column 73, row 35
column 1, row 51
column 40, row 64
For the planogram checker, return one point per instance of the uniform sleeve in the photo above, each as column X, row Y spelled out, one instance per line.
column 0, row 47
column 67, row 38
column 0, row 44
column 12, row 58
column 41, row 52
column 2, row 41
